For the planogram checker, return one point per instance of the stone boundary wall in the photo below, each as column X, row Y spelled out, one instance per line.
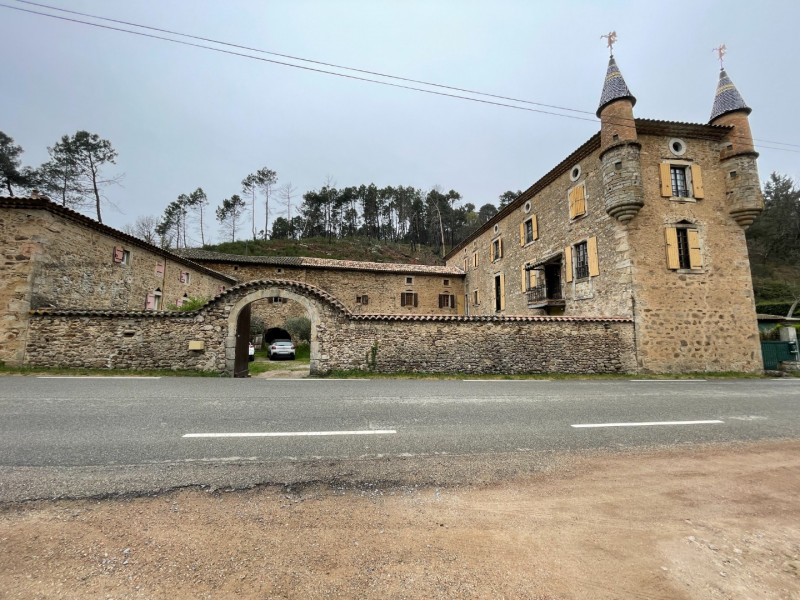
column 482, row 345
column 435, row 344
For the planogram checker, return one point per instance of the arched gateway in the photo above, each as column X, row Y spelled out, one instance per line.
column 323, row 309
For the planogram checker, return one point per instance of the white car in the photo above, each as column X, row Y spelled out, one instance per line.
column 281, row 349
column 251, row 353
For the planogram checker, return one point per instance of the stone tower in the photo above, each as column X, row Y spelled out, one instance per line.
column 619, row 148
column 737, row 155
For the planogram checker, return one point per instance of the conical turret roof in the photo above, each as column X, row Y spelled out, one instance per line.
column 728, row 98
column 614, row 88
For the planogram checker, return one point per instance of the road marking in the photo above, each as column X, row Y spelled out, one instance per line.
column 504, row 380
column 322, row 379
column 92, row 377
column 666, row 380
column 786, row 379
column 290, row 433
column 646, row 424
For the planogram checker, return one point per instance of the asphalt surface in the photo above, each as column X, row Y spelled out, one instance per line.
column 70, row 437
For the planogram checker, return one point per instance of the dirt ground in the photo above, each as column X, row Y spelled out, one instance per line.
column 709, row 522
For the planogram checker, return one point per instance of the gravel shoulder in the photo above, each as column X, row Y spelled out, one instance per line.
column 693, row 522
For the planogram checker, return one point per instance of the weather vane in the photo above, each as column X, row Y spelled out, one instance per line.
column 721, row 51
column 612, row 39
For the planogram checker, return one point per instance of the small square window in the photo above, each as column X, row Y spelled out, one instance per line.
column 409, row 280
column 446, row 282
column 279, row 271
column 363, row 299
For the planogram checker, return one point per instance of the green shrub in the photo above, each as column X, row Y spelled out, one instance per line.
column 299, row 328
column 190, row 304
column 773, row 308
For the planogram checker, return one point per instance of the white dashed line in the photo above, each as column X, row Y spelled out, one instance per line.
column 646, row 424
column 290, row 433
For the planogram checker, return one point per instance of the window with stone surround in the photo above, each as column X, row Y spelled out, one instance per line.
column 683, row 247
column 581, row 260
column 409, row 299
column 528, row 231
column 681, row 181
column 497, row 249
column 362, row 299
column 185, row 276
column 447, row 301
column 476, row 297
column 122, row 256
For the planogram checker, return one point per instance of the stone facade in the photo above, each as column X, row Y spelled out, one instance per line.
column 382, row 284
column 644, row 221
column 340, row 339
column 58, row 258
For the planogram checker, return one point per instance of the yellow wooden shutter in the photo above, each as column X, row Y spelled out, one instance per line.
column 523, row 278
column 500, row 247
column 695, row 258
column 522, row 233
column 568, row 263
column 477, row 297
column 591, row 250
column 580, row 203
column 535, row 224
column 673, row 262
column 491, row 252
column 502, row 291
column 697, row 181
column 572, row 196
column 666, row 181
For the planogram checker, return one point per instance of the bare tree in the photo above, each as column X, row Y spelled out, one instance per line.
column 143, row 228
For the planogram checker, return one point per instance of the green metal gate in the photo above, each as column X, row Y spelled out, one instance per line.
column 775, row 352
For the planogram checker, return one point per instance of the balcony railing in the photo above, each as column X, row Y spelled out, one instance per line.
column 542, row 293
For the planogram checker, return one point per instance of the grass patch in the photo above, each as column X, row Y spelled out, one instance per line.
column 539, row 376
column 84, row 372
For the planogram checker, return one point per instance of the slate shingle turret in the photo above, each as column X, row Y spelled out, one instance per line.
column 614, row 87
column 727, row 98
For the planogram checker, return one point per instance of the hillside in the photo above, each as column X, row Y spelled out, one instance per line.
column 350, row 248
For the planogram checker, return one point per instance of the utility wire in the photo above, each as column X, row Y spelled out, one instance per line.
column 616, row 120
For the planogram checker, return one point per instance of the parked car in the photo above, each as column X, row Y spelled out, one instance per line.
column 251, row 353
column 280, row 349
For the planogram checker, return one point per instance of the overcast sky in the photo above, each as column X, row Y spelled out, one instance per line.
column 182, row 117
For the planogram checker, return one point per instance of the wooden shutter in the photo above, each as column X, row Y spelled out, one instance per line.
column 491, row 252
column 179, row 303
column 119, row 253
column 535, row 223
column 159, row 268
column 183, row 276
column 697, row 182
column 416, row 303
column 673, row 261
column 522, row 233
column 523, row 278
column 695, row 258
column 591, row 251
column 502, row 291
column 666, row 180
column 441, row 300
column 150, row 302
column 577, row 201
column 475, row 259
column 402, row 299
column 568, row 263
column 452, row 301
column 500, row 247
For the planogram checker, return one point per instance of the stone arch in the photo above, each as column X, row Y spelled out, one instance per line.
column 319, row 304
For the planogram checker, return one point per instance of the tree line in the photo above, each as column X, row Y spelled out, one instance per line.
column 74, row 177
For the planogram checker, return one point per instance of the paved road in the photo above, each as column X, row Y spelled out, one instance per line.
column 73, row 425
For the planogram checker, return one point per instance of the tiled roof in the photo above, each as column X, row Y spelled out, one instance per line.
column 614, row 87
column 681, row 129
column 43, row 203
column 727, row 99
column 321, row 263
column 492, row 318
